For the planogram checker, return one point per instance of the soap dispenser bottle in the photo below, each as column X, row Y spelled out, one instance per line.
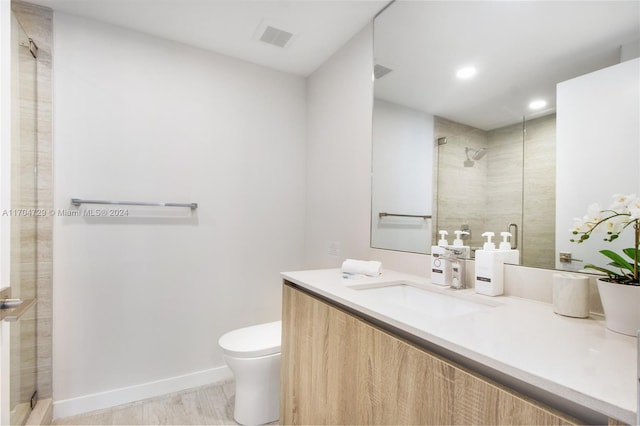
column 458, row 243
column 510, row 255
column 489, row 268
column 440, row 268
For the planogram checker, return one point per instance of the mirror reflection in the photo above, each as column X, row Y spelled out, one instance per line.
column 465, row 133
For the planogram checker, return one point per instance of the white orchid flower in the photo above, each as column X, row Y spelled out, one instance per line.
column 621, row 202
column 634, row 210
column 594, row 213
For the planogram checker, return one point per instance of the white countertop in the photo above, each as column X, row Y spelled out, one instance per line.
column 577, row 359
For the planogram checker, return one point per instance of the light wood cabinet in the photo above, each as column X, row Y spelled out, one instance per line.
column 339, row 369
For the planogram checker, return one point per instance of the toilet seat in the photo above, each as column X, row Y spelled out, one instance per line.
column 254, row 341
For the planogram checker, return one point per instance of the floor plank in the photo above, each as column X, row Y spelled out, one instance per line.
column 208, row 405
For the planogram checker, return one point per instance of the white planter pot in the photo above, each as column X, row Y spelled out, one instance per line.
column 621, row 305
column 571, row 295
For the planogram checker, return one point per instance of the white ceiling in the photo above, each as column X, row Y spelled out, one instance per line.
column 230, row 27
column 521, row 50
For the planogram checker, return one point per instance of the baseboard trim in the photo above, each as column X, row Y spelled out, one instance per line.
column 98, row 401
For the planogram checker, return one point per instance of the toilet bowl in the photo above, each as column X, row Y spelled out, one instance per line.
column 253, row 355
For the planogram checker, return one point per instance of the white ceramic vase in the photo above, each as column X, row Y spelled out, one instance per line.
column 621, row 304
column 571, row 295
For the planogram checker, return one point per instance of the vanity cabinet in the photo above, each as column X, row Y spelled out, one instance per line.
column 339, row 369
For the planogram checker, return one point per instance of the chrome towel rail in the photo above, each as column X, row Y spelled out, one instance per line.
column 382, row 214
column 78, row 201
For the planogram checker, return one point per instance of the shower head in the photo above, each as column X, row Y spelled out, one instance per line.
column 479, row 154
column 476, row 154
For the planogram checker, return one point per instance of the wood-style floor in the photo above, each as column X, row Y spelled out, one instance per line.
column 209, row 405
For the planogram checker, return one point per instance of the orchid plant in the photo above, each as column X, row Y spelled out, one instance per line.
column 624, row 213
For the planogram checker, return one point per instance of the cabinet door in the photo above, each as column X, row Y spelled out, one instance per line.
column 338, row 369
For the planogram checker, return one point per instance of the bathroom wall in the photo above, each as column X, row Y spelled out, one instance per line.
column 339, row 105
column 402, row 177
column 140, row 302
column 597, row 130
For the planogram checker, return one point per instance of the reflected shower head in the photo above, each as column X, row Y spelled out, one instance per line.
column 476, row 154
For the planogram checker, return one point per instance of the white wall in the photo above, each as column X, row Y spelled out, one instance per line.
column 339, row 122
column 598, row 129
column 145, row 299
column 402, row 175
column 339, row 105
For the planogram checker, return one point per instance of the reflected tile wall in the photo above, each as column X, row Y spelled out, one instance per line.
column 501, row 188
column 540, row 192
column 460, row 190
column 504, row 179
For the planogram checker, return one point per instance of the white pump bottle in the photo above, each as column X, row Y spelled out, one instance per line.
column 489, row 274
column 458, row 243
column 510, row 255
column 440, row 269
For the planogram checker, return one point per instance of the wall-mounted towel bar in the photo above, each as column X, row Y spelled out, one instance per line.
column 382, row 214
column 78, row 201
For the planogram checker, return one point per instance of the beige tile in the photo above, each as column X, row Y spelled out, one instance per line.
column 37, row 22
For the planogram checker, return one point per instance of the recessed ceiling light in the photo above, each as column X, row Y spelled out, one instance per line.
column 538, row 104
column 466, row 73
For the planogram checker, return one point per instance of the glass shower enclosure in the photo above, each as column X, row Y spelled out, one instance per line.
column 23, row 218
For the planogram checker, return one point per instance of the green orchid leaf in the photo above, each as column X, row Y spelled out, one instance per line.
column 618, row 260
column 611, row 274
column 632, row 253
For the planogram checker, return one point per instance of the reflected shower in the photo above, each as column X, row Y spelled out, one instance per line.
column 473, row 155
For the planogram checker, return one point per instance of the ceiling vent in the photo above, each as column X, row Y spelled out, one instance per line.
column 275, row 36
column 380, row 71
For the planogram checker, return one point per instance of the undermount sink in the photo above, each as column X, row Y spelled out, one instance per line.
column 435, row 304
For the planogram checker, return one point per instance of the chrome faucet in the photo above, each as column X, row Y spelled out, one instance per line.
column 455, row 257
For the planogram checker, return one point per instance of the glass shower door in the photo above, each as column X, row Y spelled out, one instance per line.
column 23, row 217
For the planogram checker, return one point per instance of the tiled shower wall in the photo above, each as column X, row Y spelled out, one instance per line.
column 461, row 191
column 504, row 179
column 37, row 22
column 522, row 182
column 23, row 228
column 539, row 207
column 513, row 183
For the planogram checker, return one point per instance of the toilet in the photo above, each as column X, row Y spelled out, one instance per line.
column 253, row 355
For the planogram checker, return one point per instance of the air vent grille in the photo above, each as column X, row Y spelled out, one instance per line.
column 276, row 36
column 380, row 71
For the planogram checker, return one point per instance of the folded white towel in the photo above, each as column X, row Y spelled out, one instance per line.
column 371, row 268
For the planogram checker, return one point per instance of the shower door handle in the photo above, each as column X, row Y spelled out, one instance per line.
column 514, row 226
column 13, row 309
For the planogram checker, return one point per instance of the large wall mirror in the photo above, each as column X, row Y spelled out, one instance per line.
column 503, row 116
